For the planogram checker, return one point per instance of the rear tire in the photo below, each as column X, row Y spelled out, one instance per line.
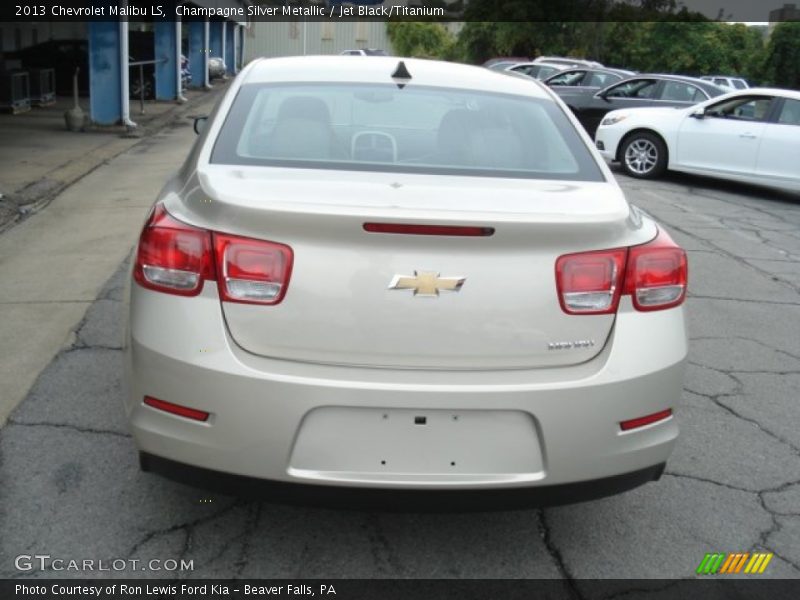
column 643, row 155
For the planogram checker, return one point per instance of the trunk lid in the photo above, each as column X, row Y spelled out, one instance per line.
column 339, row 309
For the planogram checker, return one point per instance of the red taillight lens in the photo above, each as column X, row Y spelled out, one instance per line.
column 172, row 256
column 642, row 421
column 176, row 258
column 657, row 274
column 590, row 283
column 653, row 274
column 252, row 271
column 177, row 409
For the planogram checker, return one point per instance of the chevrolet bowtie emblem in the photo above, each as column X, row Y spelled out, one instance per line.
column 426, row 283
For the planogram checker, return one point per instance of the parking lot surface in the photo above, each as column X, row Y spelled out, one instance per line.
column 71, row 486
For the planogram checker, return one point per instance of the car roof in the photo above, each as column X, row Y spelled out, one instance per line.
column 701, row 83
column 624, row 72
column 544, row 63
column 792, row 94
column 571, row 60
column 379, row 69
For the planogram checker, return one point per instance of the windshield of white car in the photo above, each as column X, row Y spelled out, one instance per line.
column 413, row 129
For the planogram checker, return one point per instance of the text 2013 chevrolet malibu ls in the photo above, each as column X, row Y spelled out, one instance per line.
column 406, row 279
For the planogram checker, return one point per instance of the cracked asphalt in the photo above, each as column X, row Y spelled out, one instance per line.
column 70, row 484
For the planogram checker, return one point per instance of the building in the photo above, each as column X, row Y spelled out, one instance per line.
column 789, row 12
column 298, row 37
column 101, row 50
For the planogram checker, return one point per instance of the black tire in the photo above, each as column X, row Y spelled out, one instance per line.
column 643, row 155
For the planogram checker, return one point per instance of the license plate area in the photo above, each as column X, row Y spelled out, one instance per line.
column 422, row 446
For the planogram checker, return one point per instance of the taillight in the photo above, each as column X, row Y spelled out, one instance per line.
column 589, row 283
column 657, row 274
column 176, row 258
column 172, row 256
column 252, row 271
column 653, row 274
column 448, row 230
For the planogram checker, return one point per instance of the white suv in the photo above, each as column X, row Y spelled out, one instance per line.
column 728, row 83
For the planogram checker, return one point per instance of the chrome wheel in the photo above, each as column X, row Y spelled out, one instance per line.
column 641, row 156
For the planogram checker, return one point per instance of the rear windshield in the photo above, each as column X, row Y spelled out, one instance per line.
column 431, row 130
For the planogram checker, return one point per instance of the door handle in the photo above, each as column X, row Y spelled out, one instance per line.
column 749, row 136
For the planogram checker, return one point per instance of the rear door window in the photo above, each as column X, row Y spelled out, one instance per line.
column 568, row 78
column 599, row 79
column 634, row 88
column 678, row 91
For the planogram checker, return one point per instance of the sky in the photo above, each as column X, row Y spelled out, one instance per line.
column 739, row 10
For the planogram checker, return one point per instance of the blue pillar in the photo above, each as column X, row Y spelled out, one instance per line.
column 198, row 53
column 167, row 51
column 216, row 37
column 240, row 47
column 230, row 43
column 105, row 79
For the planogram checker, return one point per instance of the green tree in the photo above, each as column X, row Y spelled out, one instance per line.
column 421, row 39
column 782, row 57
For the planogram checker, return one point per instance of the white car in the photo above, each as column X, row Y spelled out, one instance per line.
column 727, row 83
column 752, row 136
column 403, row 278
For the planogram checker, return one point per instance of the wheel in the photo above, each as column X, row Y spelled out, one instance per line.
column 643, row 156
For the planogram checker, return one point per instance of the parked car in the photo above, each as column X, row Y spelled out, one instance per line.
column 365, row 52
column 569, row 62
column 590, row 106
column 751, row 136
column 727, row 83
column 584, row 77
column 501, row 62
column 428, row 292
column 502, row 65
column 540, row 70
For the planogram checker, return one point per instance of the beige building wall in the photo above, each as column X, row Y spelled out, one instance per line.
column 291, row 38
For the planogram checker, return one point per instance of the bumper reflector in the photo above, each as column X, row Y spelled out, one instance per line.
column 176, row 409
column 642, row 421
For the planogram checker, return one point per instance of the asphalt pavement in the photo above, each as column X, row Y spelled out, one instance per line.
column 70, row 485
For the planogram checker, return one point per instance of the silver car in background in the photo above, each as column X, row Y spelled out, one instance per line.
column 404, row 281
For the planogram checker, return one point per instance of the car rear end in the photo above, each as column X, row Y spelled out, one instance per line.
column 433, row 288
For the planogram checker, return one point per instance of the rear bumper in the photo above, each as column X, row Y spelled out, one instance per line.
column 399, row 500
column 287, row 422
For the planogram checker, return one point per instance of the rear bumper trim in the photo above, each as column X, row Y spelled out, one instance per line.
column 448, row 500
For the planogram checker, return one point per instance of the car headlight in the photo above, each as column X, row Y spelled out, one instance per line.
column 613, row 120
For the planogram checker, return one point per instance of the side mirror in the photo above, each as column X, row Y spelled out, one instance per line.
column 699, row 113
column 602, row 94
column 200, row 124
